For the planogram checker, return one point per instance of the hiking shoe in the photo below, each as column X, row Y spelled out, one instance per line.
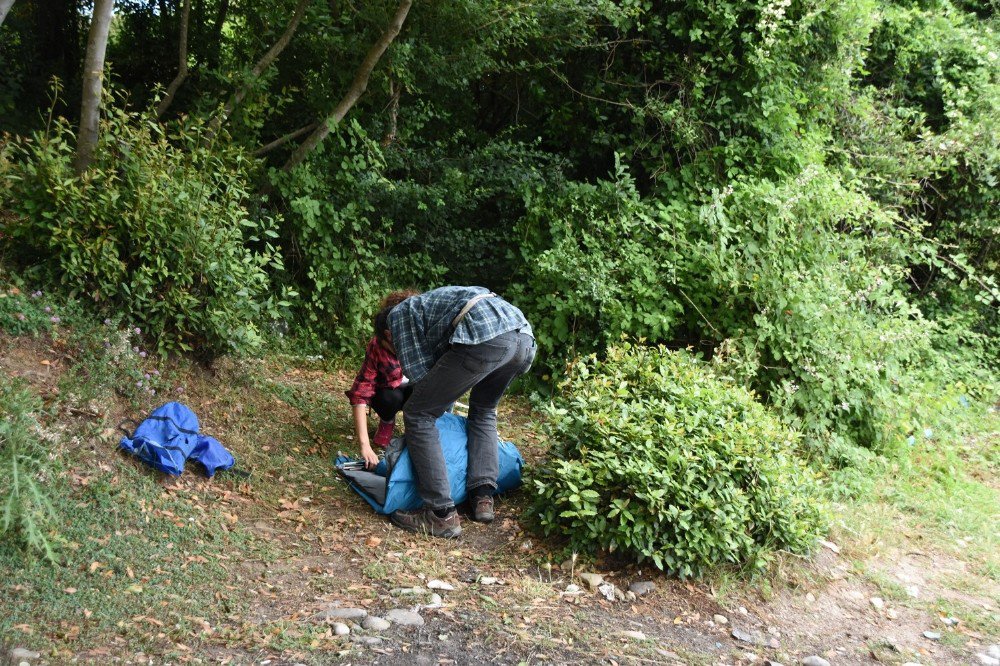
column 423, row 521
column 482, row 509
column 384, row 433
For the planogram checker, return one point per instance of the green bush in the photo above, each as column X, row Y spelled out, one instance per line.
column 158, row 230
column 595, row 264
column 656, row 457
column 26, row 512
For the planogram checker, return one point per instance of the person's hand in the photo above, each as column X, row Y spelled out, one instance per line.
column 371, row 460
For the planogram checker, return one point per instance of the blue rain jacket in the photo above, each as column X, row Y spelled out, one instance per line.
column 391, row 486
column 170, row 436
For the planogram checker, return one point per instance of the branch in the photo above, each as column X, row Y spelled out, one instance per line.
column 356, row 89
column 390, row 135
column 182, row 66
column 277, row 143
column 262, row 64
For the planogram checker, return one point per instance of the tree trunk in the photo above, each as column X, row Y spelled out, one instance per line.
column 93, row 83
column 182, row 58
column 259, row 68
column 357, row 88
column 215, row 42
column 5, row 6
column 280, row 141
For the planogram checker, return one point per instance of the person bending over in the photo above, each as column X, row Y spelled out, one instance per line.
column 448, row 341
column 379, row 386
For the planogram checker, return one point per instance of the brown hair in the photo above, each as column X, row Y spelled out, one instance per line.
column 381, row 319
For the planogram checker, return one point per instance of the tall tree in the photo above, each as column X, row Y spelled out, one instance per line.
column 258, row 69
column 5, row 6
column 357, row 88
column 182, row 57
column 93, row 83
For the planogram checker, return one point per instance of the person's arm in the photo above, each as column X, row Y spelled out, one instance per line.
column 361, row 432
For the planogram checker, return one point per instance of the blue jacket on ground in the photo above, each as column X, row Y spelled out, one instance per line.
column 170, row 436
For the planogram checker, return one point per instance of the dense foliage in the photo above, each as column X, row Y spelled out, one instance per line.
column 804, row 192
column 660, row 459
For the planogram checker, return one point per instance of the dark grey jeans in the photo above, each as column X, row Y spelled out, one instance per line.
column 488, row 369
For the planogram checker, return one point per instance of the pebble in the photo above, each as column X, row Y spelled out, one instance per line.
column 607, row 590
column 877, row 603
column 743, row 611
column 771, row 662
column 435, row 599
column 367, row 640
column 23, row 654
column 993, row 651
column 341, row 629
column 642, row 587
column 440, row 585
column 340, row 614
column 630, row 596
column 573, row 588
column 814, row 660
column 747, row 637
column 950, row 621
column 891, row 614
column 987, row 660
column 373, row 623
column 490, row 580
column 913, row 591
column 593, row 580
column 720, row 619
column 408, row 591
column 404, row 617
column 637, row 635
column 932, row 635
column 810, row 597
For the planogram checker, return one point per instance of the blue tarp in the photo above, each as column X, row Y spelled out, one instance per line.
column 170, row 436
column 392, row 487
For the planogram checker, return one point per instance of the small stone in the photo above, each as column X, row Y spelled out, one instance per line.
column 642, row 588
column 630, row 596
column 720, row 619
column 593, row 580
column 25, row 663
column 435, row 599
column 932, row 635
column 747, row 637
column 573, row 588
column 366, row 640
column 408, row 591
column 442, row 637
column 994, row 651
column 891, row 613
column 440, row 585
column 607, row 590
column 771, row 662
column 774, row 643
column 490, row 580
column 568, row 565
column 340, row 614
column 877, row 603
column 341, row 629
column 743, row 611
column 987, row 660
column 950, row 621
column 814, row 660
column 404, row 617
column 637, row 635
column 23, row 654
column 372, row 623
column 810, row 597
column 913, row 591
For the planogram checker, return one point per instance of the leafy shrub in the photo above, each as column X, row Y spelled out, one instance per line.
column 595, row 265
column 655, row 456
column 157, row 230
column 345, row 247
column 25, row 509
column 22, row 314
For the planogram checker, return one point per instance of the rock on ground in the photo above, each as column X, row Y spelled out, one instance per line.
column 23, row 654
column 440, row 585
column 373, row 623
column 593, row 580
column 340, row 614
column 404, row 617
column 720, row 619
column 815, row 660
column 341, row 629
column 642, row 587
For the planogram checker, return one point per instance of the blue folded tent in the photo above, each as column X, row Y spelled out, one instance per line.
column 169, row 437
column 391, row 486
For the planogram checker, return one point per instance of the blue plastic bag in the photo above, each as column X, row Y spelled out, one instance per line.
column 391, row 486
column 170, row 436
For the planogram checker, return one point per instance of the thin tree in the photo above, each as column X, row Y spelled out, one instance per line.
column 182, row 58
column 357, row 88
column 258, row 69
column 93, row 84
column 5, row 6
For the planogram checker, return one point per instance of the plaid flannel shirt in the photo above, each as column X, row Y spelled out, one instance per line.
column 379, row 370
column 422, row 331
